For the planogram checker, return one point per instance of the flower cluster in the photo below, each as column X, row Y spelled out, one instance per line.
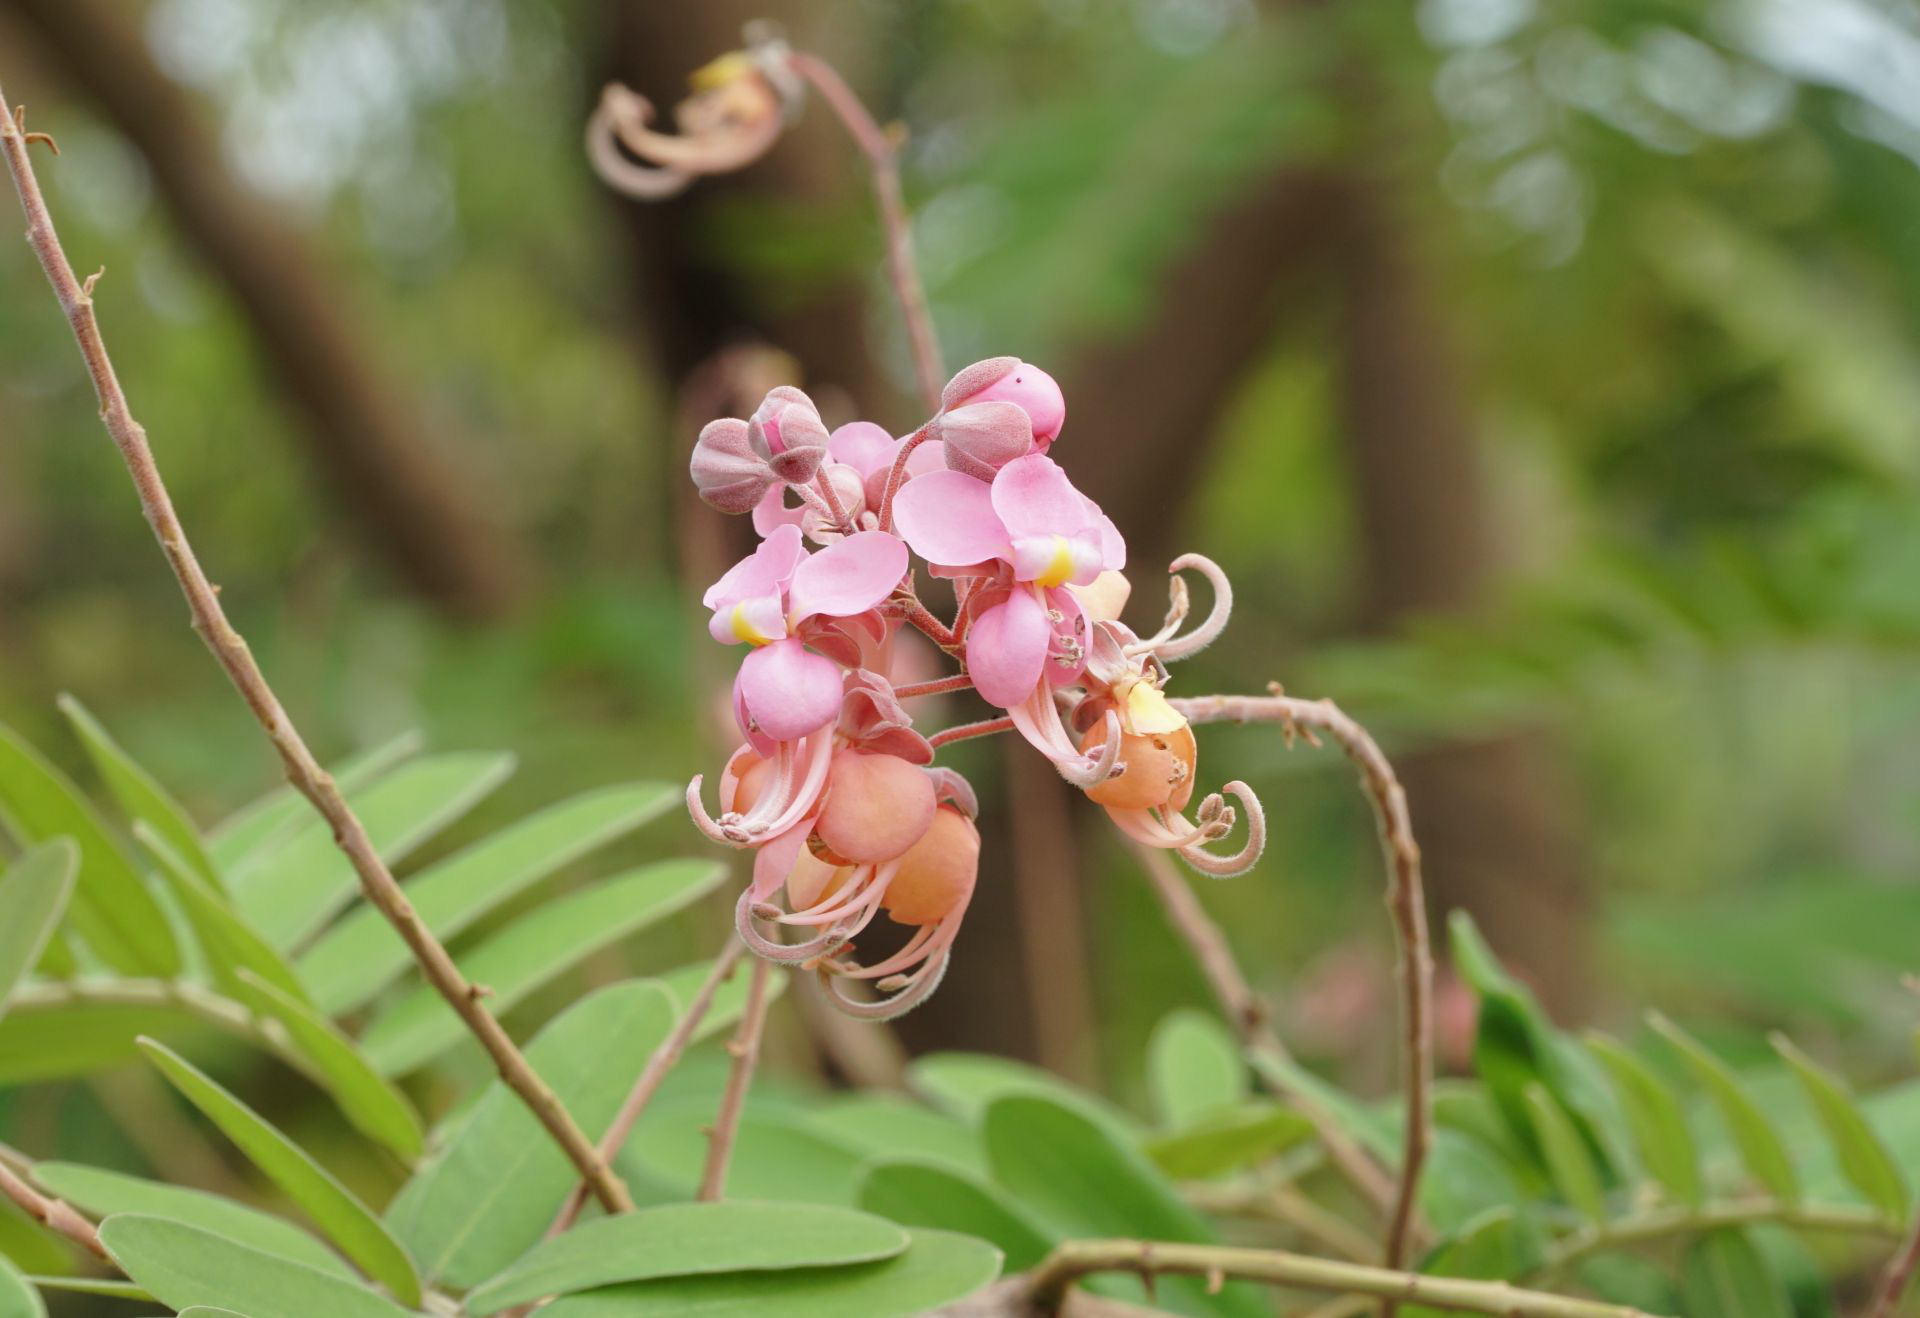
column 833, row 788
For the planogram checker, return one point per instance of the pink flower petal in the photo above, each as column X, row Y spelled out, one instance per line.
column 786, row 691
column 1007, row 649
column 1055, row 560
column 763, row 572
column 948, row 518
column 1034, row 497
column 848, row 577
column 756, row 621
column 773, row 511
column 862, row 445
column 774, row 860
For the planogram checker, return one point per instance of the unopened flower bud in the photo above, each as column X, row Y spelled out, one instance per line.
column 727, row 472
column 1010, row 380
column 877, row 806
column 937, row 874
column 981, row 438
column 787, row 432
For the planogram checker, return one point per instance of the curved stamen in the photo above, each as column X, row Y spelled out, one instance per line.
column 1168, row 647
column 716, row 151
column 728, row 835
column 1038, row 720
column 1225, row 867
column 614, row 167
column 787, row 953
column 916, row 951
column 865, row 898
column 917, row 991
column 1143, row 828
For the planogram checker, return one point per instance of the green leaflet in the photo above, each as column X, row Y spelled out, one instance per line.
column 18, row 1299
column 1722, row 1275
column 268, row 820
column 183, row 1266
column 231, row 945
column 357, row 1232
column 534, row 950
column 111, row 907
column 141, row 797
column 1862, row 1156
column 33, row 895
column 1194, row 1069
column 675, row 1240
column 362, row 954
column 921, row 1193
column 936, row 1269
column 1655, row 1116
column 1753, row 1133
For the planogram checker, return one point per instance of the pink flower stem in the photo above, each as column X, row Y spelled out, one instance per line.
column 967, row 731
column 898, row 476
column 917, row 613
column 1405, row 899
column 881, row 149
column 835, row 509
column 938, row 686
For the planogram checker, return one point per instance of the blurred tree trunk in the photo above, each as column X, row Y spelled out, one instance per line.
column 427, row 515
column 1495, row 818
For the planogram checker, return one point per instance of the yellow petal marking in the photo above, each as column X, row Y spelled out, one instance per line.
column 1059, row 567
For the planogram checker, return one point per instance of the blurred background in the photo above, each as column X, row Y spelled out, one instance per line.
column 1545, row 373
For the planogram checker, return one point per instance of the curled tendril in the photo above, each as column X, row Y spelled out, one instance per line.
column 1225, row 867
column 1168, row 645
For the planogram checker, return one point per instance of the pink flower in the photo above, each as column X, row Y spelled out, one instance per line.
column 785, row 691
column 1031, row 530
column 995, row 411
column 859, row 459
column 786, row 430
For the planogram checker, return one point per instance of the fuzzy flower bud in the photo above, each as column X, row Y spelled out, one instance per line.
column 788, row 434
column 981, row 438
column 1010, row 380
column 729, row 475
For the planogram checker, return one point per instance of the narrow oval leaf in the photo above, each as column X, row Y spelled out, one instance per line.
column 232, row 946
column 1194, row 1069
column 966, row 1084
column 141, row 797
column 1761, row 1148
column 489, row 1197
column 1229, row 1139
column 18, row 1299
column 1079, row 1180
column 183, row 1266
column 111, row 906
column 888, row 1125
column 533, row 951
column 937, row 1269
column 362, row 954
column 104, row 1193
column 729, row 1000
column 267, row 821
column 776, row 1156
column 1862, row 1156
column 366, row 1098
column 1568, row 1161
column 41, row 1042
column 111, row 1287
column 1495, row 1245
column 1658, row 1122
column 676, row 1240
column 33, row 895
column 289, row 892
column 331, row 1205
column 1724, row 1276
column 928, row 1194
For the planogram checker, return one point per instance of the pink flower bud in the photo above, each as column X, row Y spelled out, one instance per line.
column 981, row 438
column 1010, row 380
column 937, row 873
column 877, row 806
column 727, row 472
column 787, row 432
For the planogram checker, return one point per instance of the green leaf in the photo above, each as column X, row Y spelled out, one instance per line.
column 1367, row 1127
column 140, row 795
column 535, row 950
column 1863, row 1157
column 1658, row 1122
column 362, row 954
column 33, row 894
column 111, row 908
column 678, row 1240
column 184, row 1266
column 1761, row 1148
column 937, row 1269
column 1230, row 1139
column 17, row 1298
column 776, row 1156
column 333, row 1208
column 1077, row 1178
column 38, row 1043
column 104, row 1193
column 1722, row 1275
column 1495, row 1245
column 232, row 946
column 966, row 1084
column 289, row 891
column 929, row 1194
column 366, row 1098
column 1574, row 1174
column 489, row 1197
column 112, row 1287
column 1194, row 1069
column 729, row 1000
column 887, row 1125
column 267, row 821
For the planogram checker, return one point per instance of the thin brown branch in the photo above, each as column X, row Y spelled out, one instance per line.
column 882, row 152
column 55, row 1215
column 1247, row 1014
column 1406, row 899
column 745, row 1047
column 302, row 770
column 647, row 1084
column 1048, row 1283
column 1897, row 1275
